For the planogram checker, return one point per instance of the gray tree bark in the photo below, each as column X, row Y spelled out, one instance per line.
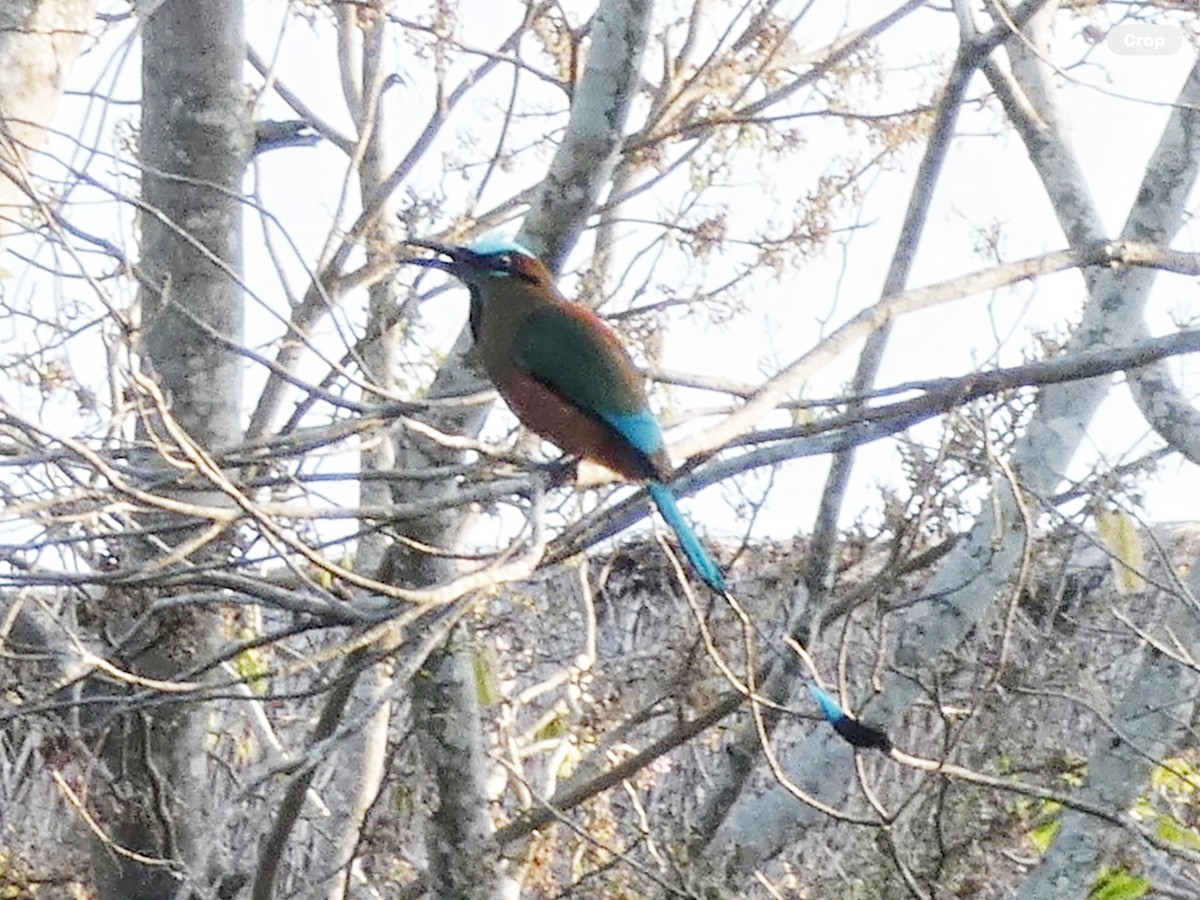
column 194, row 142
column 39, row 41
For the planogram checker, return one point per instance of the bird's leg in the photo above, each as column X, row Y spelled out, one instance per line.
column 562, row 471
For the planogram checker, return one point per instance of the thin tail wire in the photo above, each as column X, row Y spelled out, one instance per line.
column 853, row 731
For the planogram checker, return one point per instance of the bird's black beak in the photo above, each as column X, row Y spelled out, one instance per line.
column 449, row 259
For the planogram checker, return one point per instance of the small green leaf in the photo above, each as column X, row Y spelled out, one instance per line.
column 251, row 664
column 487, row 682
column 1175, row 832
column 1043, row 835
column 1120, row 536
column 1118, row 884
column 1176, row 777
column 554, row 728
column 1142, row 809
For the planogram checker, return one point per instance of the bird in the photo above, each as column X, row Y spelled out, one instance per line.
column 565, row 373
column 568, row 378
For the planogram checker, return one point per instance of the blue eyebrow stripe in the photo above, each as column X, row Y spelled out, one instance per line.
column 496, row 244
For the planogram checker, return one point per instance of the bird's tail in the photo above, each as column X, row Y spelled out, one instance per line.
column 830, row 708
column 856, row 733
column 707, row 568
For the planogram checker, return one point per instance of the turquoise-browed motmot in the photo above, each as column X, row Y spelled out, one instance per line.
column 565, row 373
column 568, row 378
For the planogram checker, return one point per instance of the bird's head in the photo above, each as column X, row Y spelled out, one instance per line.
column 486, row 261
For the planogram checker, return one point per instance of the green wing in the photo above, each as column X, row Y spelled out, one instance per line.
column 571, row 352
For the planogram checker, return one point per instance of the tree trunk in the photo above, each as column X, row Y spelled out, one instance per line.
column 39, row 41
column 194, row 142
